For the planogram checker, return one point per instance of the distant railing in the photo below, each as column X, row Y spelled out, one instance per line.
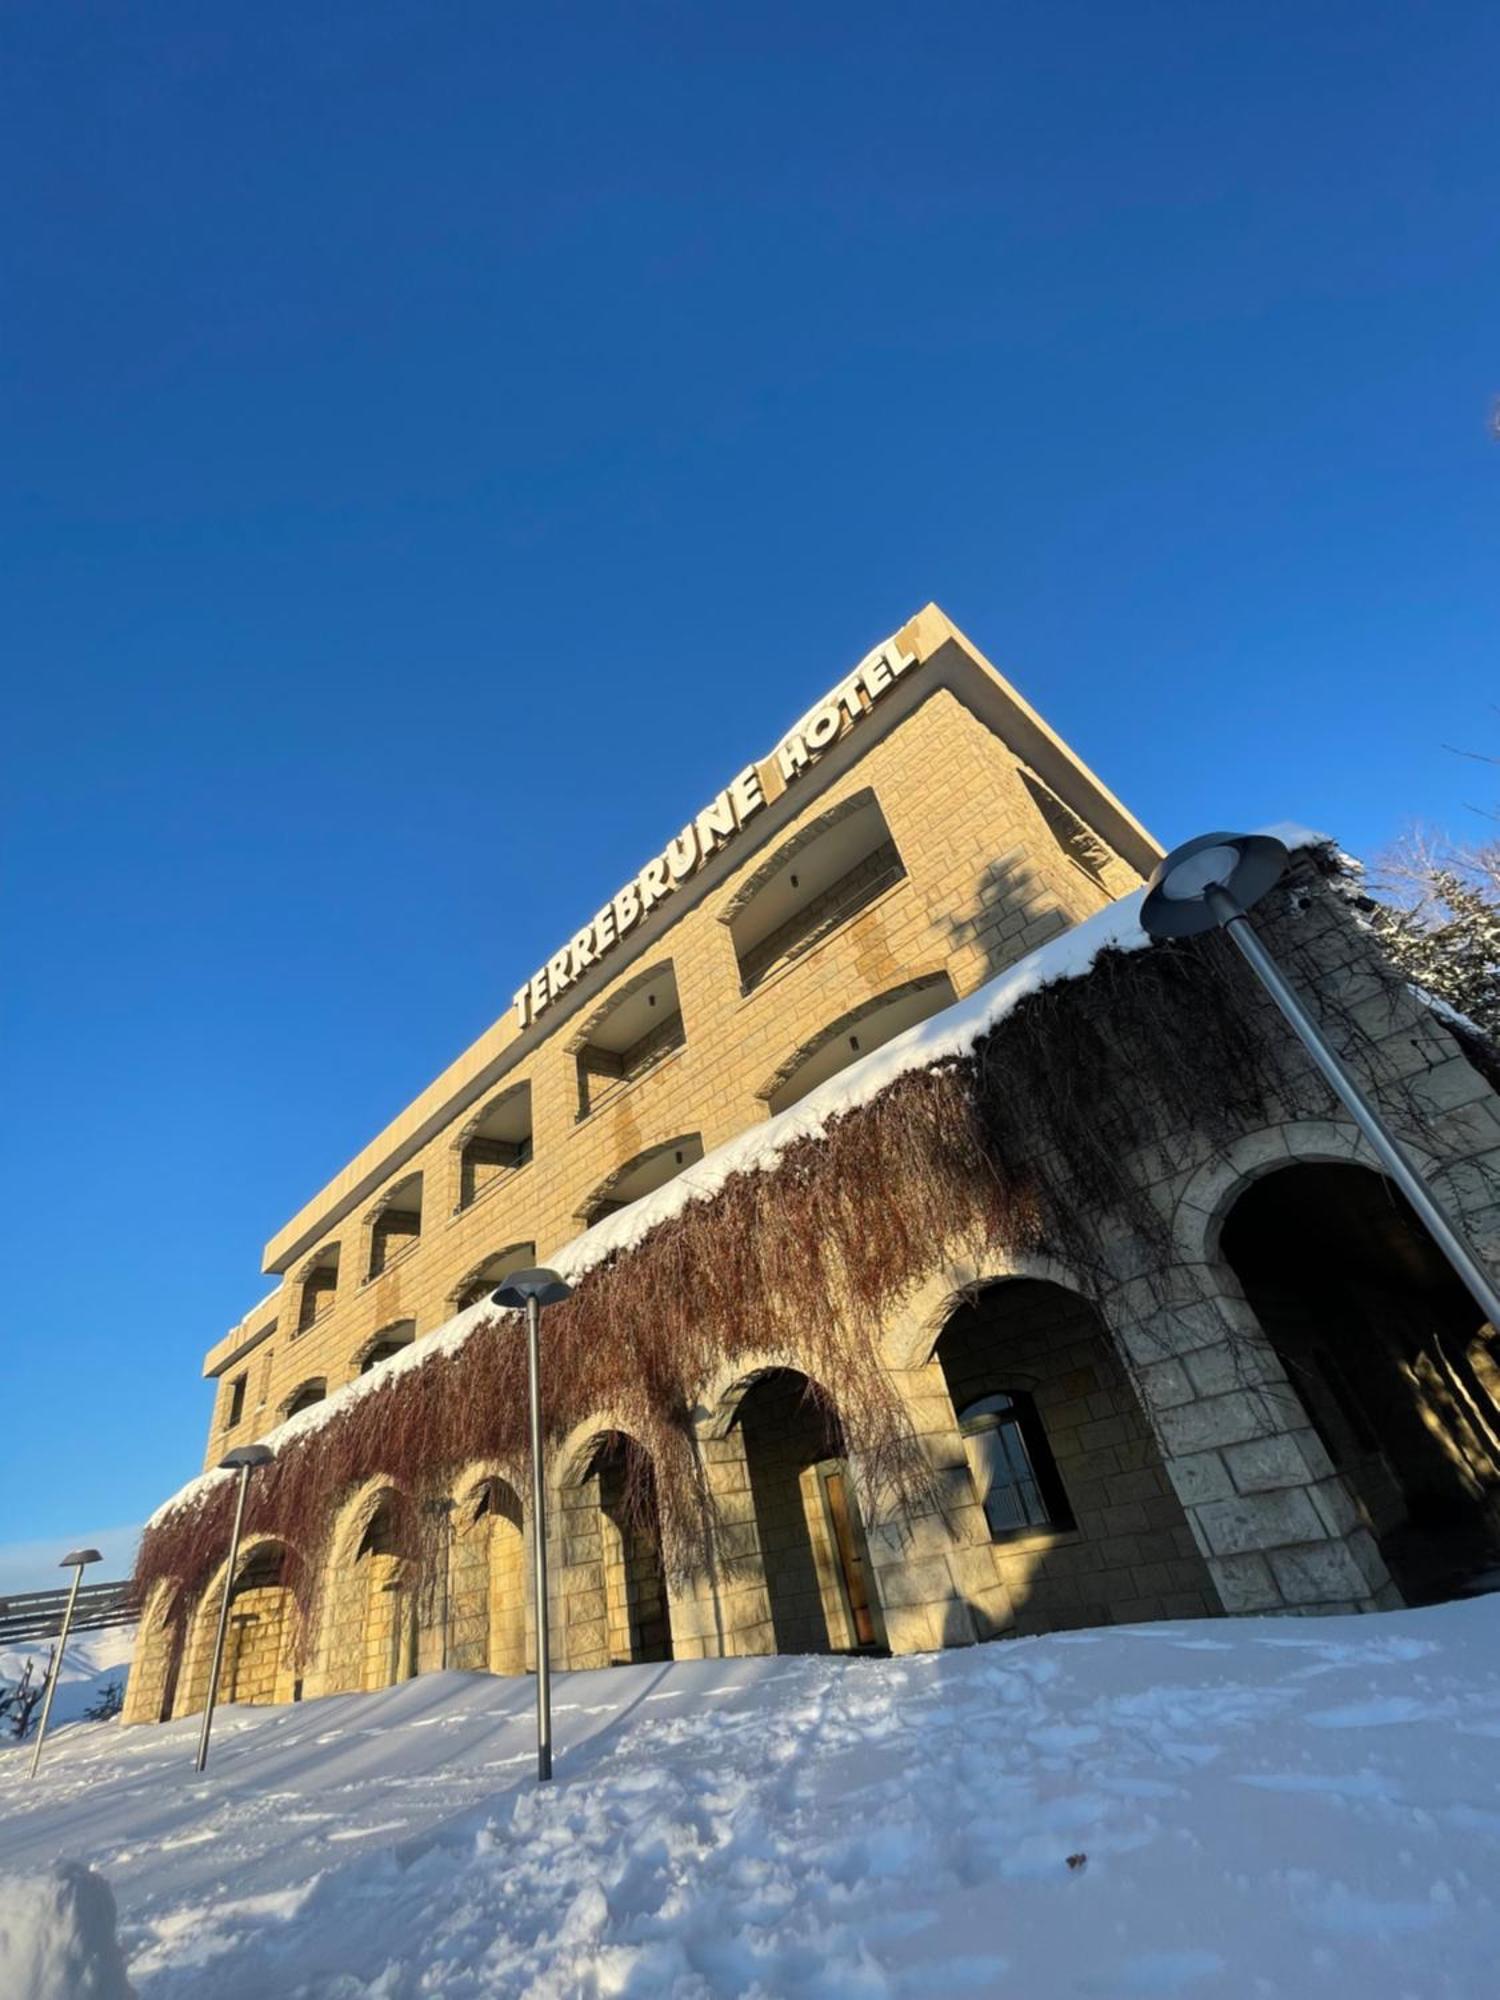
column 38, row 1614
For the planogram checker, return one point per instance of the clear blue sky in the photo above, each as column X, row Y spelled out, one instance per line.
column 401, row 400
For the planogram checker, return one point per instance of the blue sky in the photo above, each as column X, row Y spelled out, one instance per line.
column 414, row 414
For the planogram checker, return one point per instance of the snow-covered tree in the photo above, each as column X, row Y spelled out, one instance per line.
column 1436, row 909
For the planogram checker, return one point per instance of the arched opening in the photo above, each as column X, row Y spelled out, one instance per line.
column 304, row 1396
column 486, row 1581
column 864, row 1028
column 815, row 883
column 390, row 1340
column 371, row 1615
column 396, row 1226
column 485, row 1277
column 1390, row 1356
column 614, row 1581
column 157, row 1663
column 320, row 1283
column 258, row 1665
column 812, row 1543
column 1085, row 1525
column 635, row 1030
column 642, row 1176
column 497, row 1145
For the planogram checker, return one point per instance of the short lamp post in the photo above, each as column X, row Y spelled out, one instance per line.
column 1212, row 881
column 533, row 1290
column 243, row 1460
column 76, row 1560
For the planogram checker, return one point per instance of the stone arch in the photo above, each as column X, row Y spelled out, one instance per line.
column 1205, row 1202
column 485, row 1609
column 312, row 1389
column 157, row 1663
column 863, row 1028
column 383, row 1343
column 612, row 1581
column 317, row 1284
column 641, row 1175
column 493, row 1143
column 371, row 1591
column 801, row 1536
column 482, row 1278
column 1390, row 1359
column 262, row 1639
column 911, row 1332
column 1084, row 1524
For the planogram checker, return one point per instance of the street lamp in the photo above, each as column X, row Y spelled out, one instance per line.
column 243, row 1460
column 533, row 1290
column 1211, row 881
column 75, row 1560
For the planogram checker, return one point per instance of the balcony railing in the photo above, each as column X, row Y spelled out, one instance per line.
column 843, row 904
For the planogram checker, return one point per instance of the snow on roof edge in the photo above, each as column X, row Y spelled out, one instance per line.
column 760, row 1148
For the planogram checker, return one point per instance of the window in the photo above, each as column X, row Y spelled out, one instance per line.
column 639, row 1028
column 320, row 1283
column 485, row 1277
column 642, row 1176
column 396, row 1227
column 855, row 1034
column 235, row 1407
column 303, row 1397
column 819, row 880
column 496, row 1145
column 1013, row 1470
column 390, row 1340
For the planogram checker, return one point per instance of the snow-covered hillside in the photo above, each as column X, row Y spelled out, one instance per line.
column 92, row 1662
column 1237, row 1808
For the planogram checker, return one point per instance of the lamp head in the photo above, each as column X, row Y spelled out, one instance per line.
column 1178, row 897
column 76, row 1558
column 246, row 1454
column 546, row 1287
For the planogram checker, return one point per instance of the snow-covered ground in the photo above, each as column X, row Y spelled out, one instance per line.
column 93, row 1660
column 1238, row 1808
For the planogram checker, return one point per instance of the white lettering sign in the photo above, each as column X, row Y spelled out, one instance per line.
column 714, row 827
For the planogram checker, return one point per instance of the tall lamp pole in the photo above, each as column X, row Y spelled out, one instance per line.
column 1211, row 881
column 243, row 1460
column 533, row 1290
column 75, row 1560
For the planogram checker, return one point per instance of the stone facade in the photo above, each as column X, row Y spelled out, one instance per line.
column 1166, row 1436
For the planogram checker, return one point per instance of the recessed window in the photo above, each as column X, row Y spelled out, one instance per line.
column 483, row 1280
column 320, row 1283
column 234, row 1408
column 304, row 1396
column 857, row 1034
column 390, row 1340
column 642, row 1176
column 497, row 1146
column 1014, row 1475
column 396, row 1227
column 815, row 883
column 627, row 1039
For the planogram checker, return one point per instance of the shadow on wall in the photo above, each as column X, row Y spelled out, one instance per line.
column 1009, row 916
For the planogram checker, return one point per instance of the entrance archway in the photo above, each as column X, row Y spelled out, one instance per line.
column 1085, row 1526
column 486, row 1582
column 259, row 1639
column 812, row 1541
column 1392, row 1361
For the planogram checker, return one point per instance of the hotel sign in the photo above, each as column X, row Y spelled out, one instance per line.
column 716, row 826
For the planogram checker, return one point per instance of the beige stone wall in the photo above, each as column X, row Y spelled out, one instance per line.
column 986, row 881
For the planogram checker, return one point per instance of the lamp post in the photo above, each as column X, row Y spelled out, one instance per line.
column 243, row 1460
column 75, row 1560
column 533, row 1290
column 1212, row 881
